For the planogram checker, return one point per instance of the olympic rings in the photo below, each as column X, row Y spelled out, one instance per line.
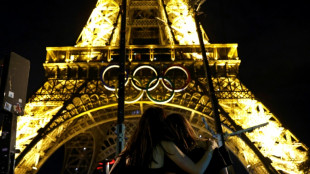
column 151, row 84
column 160, row 101
column 111, row 88
column 136, row 98
column 188, row 79
column 134, row 79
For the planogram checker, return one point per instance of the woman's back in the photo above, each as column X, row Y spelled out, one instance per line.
column 148, row 134
column 147, row 147
column 216, row 164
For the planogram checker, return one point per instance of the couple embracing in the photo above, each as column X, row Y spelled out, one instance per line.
column 168, row 145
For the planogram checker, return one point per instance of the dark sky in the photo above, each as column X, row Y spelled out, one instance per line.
column 273, row 38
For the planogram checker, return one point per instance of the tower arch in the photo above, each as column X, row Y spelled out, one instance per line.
column 79, row 97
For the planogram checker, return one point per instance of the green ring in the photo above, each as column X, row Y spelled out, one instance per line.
column 160, row 78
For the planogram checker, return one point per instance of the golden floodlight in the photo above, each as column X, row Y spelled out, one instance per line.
column 77, row 105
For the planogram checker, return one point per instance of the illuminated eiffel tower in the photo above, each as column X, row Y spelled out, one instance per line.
column 77, row 105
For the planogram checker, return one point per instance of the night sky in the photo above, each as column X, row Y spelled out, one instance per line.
column 273, row 39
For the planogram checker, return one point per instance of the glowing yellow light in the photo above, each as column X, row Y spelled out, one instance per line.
column 100, row 24
column 183, row 23
column 284, row 151
column 197, row 56
column 71, row 58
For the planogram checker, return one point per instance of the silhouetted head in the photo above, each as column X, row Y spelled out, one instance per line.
column 148, row 134
column 181, row 132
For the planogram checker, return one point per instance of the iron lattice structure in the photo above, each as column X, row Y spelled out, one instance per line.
column 77, row 105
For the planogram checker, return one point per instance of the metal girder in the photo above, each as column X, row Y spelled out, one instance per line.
column 77, row 99
column 95, row 101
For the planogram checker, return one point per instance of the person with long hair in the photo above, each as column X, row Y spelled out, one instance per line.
column 147, row 147
column 186, row 139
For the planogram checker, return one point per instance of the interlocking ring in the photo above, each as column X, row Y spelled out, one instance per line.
column 188, row 79
column 135, row 80
column 164, row 100
column 147, row 86
column 111, row 88
column 136, row 98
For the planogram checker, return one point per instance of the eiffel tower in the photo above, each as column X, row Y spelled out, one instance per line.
column 77, row 105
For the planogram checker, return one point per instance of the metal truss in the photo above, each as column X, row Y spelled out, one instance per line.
column 77, row 105
column 174, row 22
column 93, row 106
column 101, row 25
